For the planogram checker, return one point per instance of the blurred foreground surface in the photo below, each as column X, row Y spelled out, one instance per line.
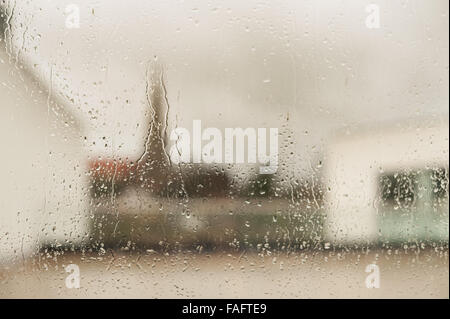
column 404, row 273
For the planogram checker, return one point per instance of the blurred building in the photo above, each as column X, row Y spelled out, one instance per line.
column 389, row 184
column 42, row 191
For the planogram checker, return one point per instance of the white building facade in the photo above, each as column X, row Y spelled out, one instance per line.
column 361, row 209
column 43, row 188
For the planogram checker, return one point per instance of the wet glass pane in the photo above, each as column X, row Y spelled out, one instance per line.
column 238, row 149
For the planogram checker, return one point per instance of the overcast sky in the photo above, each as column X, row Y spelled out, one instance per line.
column 239, row 63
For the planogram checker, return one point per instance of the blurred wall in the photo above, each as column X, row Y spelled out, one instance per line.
column 42, row 182
column 355, row 162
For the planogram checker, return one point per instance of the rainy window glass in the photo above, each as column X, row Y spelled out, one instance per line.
column 237, row 149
